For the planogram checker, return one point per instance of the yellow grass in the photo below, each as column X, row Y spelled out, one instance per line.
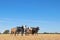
column 30, row 37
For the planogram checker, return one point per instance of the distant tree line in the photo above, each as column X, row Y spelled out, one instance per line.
column 7, row 32
column 49, row 33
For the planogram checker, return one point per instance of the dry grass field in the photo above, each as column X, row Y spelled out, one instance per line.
column 30, row 37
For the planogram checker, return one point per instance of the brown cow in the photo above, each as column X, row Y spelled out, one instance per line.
column 31, row 30
column 28, row 31
column 13, row 31
column 18, row 30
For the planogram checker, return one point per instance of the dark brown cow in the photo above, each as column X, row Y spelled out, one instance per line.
column 35, row 30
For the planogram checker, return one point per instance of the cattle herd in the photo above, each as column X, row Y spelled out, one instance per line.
column 24, row 30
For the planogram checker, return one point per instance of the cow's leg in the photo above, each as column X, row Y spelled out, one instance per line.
column 32, row 33
column 15, row 33
column 22, row 32
column 26, row 33
column 12, row 33
column 18, row 33
column 37, row 33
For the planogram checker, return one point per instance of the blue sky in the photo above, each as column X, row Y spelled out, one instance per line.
column 42, row 13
